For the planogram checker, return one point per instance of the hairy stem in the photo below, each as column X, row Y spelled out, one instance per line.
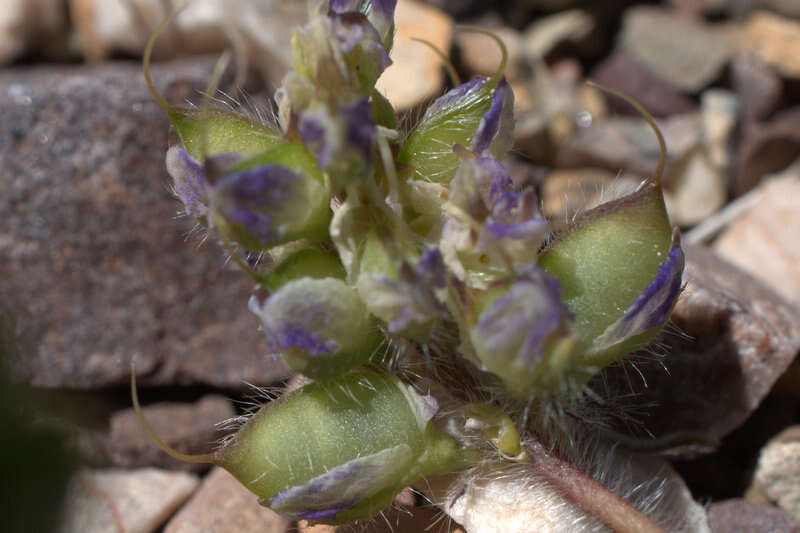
column 587, row 493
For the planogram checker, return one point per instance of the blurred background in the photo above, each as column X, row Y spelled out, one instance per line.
column 98, row 270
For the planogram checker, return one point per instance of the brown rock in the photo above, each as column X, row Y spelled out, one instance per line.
column 548, row 32
column 628, row 144
column 757, row 87
column 740, row 516
column 223, row 505
column 764, row 241
column 696, row 190
column 775, row 40
column 481, row 56
column 94, row 262
column 32, row 25
column 188, row 428
column 620, row 71
column 767, row 148
column 416, row 73
column 685, row 52
column 136, row 501
column 731, row 339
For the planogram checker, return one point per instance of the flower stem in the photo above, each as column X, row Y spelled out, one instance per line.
column 587, row 493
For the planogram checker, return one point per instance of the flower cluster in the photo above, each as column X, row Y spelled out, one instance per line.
column 417, row 244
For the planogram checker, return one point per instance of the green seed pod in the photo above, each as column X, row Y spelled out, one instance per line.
column 320, row 327
column 620, row 268
column 335, row 452
column 305, row 263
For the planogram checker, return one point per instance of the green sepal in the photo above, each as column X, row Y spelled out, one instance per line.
column 305, row 263
column 429, row 147
column 382, row 111
column 212, row 132
column 605, row 261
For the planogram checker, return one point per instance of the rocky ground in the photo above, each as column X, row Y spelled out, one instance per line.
column 96, row 270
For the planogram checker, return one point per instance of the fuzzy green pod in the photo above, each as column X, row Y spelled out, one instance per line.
column 336, row 452
column 320, row 327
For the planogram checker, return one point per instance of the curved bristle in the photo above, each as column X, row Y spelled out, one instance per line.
column 501, row 69
column 455, row 79
column 662, row 145
column 205, row 458
column 148, row 52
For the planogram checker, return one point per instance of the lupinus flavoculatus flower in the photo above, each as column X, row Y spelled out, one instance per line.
column 419, row 243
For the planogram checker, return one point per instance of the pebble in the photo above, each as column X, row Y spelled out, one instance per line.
column 622, row 72
column 766, row 148
column 775, row 40
column 695, row 190
column 32, row 25
column 764, row 241
column 719, row 111
column 188, row 428
column 133, row 501
column 223, row 505
column 777, row 475
column 757, row 87
column 741, row 516
column 417, row 73
column 685, row 52
column 543, row 35
column 96, row 265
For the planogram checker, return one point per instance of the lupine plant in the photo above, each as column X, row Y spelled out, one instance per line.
column 441, row 322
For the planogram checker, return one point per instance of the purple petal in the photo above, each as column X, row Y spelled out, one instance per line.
column 653, row 304
column 496, row 125
column 320, row 132
column 431, row 268
column 455, row 94
column 344, row 486
column 299, row 338
column 380, row 13
column 353, row 30
column 514, row 329
column 253, row 197
column 189, row 178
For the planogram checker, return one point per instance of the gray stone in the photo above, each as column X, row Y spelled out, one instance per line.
column 188, row 428
column 740, row 516
column 684, row 52
column 620, row 71
column 223, row 505
column 96, row 267
column 133, row 501
column 757, row 87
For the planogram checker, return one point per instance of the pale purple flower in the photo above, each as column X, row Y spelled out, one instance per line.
column 380, row 13
column 510, row 336
column 651, row 308
column 189, row 179
column 344, row 486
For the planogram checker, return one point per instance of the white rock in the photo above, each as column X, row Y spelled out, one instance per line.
column 134, row 501
column 719, row 112
column 764, row 240
column 695, row 190
column 416, row 74
column 778, row 472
